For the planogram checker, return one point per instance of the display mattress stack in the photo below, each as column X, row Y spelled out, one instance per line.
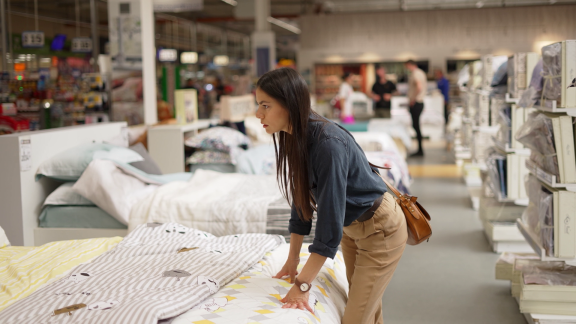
column 499, row 222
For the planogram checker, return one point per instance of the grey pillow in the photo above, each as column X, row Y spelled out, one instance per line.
column 148, row 165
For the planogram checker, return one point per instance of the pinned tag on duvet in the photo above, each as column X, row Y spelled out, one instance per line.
column 68, row 309
column 187, row 249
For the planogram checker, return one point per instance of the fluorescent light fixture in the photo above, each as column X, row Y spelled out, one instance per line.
column 284, row 25
column 168, row 55
column 189, row 58
column 479, row 4
column 221, row 60
column 231, row 2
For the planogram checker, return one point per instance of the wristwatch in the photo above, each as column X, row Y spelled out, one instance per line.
column 304, row 286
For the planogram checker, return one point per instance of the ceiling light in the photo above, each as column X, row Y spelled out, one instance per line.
column 479, row 4
column 284, row 25
column 552, row 1
column 231, row 2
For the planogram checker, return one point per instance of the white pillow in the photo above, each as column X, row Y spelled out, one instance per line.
column 112, row 189
column 66, row 195
column 3, row 239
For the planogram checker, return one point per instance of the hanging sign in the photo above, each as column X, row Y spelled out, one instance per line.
column 81, row 45
column 32, row 39
column 167, row 55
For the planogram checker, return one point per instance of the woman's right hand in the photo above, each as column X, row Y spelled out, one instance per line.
column 289, row 269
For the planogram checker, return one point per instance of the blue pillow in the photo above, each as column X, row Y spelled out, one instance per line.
column 70, row 164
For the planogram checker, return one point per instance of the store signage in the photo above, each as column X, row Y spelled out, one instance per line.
column 178, row 5
column 167, row 55
column 32, row 39
column 221, row 60
column 189, row 58
column 81, row 45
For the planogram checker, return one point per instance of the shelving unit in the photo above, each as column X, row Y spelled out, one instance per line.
column 547, row 178
column 555, row 110
column 504, row 148
column 537, row 247
column 511, row 100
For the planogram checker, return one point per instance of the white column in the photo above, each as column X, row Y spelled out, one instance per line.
column 148, row 61
column 263, row 39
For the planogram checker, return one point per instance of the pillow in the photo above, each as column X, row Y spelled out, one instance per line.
column 221, row 139
column 65, row 195
column 112, row 189
column 3, row 239
column 148, row 165
column 208, row 157
column 69, row 165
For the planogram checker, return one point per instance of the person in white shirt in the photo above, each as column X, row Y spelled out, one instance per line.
column 345, row 95
column 416, row 92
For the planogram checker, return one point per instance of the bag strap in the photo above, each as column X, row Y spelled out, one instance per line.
column 391, row 187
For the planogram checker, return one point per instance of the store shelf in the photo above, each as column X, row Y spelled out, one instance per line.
column 506, row 149
column 511, row 100
column 534, row 243
column 547, row 178
column 556, row 110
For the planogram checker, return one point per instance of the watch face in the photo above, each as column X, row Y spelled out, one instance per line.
column 304, row 287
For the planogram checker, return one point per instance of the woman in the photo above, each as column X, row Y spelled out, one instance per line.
column 345, row 95
column 323, row 169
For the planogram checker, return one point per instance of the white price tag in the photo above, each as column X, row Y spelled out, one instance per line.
column 25, row 154
column 32, row 39
column 81, row 45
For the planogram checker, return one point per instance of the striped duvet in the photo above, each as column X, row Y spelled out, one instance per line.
column 24, row 269
column 158, row 271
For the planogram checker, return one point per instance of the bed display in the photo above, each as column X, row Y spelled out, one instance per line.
column 158, row 271
column 219, row 203
column 254, row 296
column 220, row 139
column 25, row 269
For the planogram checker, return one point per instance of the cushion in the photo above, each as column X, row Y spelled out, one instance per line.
column 69, row 165
column 221, row 139
column 148, row 165
column 65, row 195
column 3, row 239
column 207, row 157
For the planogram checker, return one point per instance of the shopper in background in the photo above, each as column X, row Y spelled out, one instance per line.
column 416, row 92
column 444, row 87
column 345, row 97
column 322, row 168
column 382, row 92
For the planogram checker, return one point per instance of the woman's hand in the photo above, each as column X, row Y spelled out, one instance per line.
column 289, row 269
column 296, row 299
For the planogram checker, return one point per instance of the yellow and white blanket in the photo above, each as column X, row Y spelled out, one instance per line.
column 253, row 298
column 25, row 269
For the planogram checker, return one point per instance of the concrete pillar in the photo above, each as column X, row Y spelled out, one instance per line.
column 263, row 40
column 148, row 61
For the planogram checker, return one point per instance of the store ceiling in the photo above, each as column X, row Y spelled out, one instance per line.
column 221, row 14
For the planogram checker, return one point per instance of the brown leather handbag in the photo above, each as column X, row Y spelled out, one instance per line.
column 419, row 230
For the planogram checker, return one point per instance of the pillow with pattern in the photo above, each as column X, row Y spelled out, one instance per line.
column 209, row 157
column 222, row 139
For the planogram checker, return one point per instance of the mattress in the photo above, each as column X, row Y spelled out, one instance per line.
column 78, row 217
column 95, row 217
column 254, row 296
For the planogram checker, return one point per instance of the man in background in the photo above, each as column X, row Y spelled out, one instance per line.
column 444, row 87
column 416, row 92
column 382, row 92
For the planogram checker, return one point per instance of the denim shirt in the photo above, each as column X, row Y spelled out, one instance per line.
column 342, row 182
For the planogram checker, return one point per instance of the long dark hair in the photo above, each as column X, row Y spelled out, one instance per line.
column 291, row 91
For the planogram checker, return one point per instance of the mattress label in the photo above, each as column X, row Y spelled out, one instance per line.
column 25, row 154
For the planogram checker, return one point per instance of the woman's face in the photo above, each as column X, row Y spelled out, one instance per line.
column 272, row 115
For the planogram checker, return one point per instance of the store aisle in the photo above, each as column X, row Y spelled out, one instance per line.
column 449, row 280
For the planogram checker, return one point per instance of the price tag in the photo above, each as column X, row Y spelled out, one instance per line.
column 25, row 154
column 33, row 39
column 81, row 45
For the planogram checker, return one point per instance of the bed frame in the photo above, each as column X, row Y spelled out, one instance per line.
column 21, row 196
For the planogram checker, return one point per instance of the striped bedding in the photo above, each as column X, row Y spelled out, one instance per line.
column 158, row 271
column 25, row 269
column 278, row 216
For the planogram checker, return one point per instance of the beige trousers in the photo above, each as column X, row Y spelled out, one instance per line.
column 371, row 252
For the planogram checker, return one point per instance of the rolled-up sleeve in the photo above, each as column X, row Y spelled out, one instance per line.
column 298, row 226
column 331, row 169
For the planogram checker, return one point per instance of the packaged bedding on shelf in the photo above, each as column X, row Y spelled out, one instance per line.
column 532, row 95
column 537, row 134
column 537, row 216
column 520, row 67
column 559, row 72
column 505, row 264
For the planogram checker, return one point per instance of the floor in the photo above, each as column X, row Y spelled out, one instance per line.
column 451, row 278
